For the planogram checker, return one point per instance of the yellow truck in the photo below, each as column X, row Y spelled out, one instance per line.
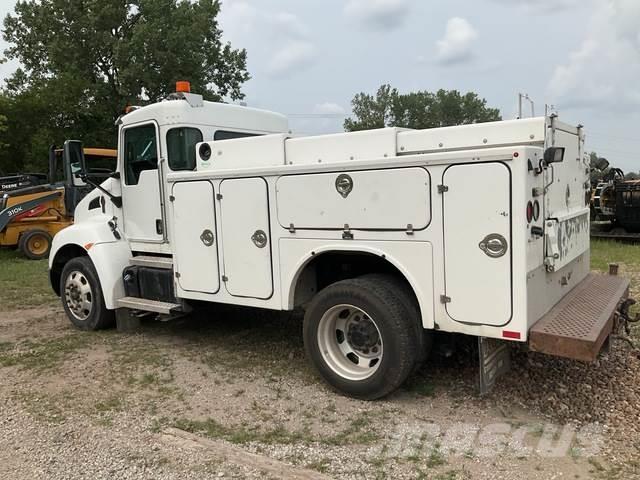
column 31, row 216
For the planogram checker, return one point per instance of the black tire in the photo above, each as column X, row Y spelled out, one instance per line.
column 385, row 304
column 35, row 244
column 97, row 317
column 424, row 337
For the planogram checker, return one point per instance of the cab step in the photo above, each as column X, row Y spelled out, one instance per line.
column 578, row 326
column 165, row 263
column 146, row 305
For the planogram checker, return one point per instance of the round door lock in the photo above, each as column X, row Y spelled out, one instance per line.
column 207, row 237
column 259, row 238
column 494, row 245
column 344, row 185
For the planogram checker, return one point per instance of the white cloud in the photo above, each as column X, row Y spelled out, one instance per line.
column 238, row 17
column 456, row 46
column 296, row 56
column 283, row 37
column 329, row 108
column 378, row 14
column 542, row 6
column 606, row 67
column 289, row 24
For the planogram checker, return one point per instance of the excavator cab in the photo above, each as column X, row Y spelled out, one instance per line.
column 31, row 216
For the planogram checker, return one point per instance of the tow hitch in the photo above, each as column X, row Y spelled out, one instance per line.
column 623, row 320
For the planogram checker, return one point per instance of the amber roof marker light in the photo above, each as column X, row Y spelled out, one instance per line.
column 182, row 86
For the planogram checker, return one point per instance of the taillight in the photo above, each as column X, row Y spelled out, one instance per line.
column 529, row 212
column 536, row 210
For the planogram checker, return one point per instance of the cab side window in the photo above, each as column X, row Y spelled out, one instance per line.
column 229, row 135
column 181, row 148
column 140, row 152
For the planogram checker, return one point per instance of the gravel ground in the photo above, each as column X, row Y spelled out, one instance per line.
column 103, row 405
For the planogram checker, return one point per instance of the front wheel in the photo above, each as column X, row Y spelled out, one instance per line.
column 360, row 336
column 81, row 295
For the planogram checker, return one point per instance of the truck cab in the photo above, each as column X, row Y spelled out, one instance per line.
column 383, row 236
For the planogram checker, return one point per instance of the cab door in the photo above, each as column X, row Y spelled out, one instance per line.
column 477, row 243
column 142, row 200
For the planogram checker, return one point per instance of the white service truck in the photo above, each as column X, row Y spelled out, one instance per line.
column 382, row 236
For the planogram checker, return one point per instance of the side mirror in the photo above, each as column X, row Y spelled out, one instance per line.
column 601, row 163
column 554, row 155
column 74, row 162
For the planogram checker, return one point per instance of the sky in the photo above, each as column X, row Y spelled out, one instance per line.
column 309, row 58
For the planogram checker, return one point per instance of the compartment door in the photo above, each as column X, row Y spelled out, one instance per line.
column 194, row 227
column 246, row 238
column 477, row 243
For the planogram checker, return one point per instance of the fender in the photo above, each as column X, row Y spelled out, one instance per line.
column 385, row 250
column 109, row 255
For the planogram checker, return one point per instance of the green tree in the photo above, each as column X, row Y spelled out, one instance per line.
column 422, row 109
column 83, row 61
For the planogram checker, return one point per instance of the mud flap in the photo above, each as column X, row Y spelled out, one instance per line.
column 494, row 359
column 126, row 321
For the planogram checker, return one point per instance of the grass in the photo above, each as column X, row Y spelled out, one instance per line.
column 45, row 355
column 23, row 282
column 604, row 252
column 355, row 434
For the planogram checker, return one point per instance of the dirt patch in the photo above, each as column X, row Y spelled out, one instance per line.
column 239, row 379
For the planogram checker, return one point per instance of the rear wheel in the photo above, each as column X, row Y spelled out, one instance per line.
column 35, row 244
column 360, row 336
column 82, row 297
column 424, row 337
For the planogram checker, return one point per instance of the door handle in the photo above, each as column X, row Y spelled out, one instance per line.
column 259, row 238
column 207, row 237
column 494, row 245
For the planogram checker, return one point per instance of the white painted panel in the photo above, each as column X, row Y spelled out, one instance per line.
column 380, row 199
column 477, row 204
column 193, row 215
column 491, row 134
column 342, row 147
column 141, row 208
column 261, row 151
column 245, row 211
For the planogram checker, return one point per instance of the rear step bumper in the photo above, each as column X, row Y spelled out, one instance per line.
column 579, row 324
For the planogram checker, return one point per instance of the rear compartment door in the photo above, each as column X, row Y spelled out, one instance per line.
column 477, row 243
column 194, row 227
column 246, row 238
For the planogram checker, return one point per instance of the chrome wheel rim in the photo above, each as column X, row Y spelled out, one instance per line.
column 350, row 342
column 78, row 295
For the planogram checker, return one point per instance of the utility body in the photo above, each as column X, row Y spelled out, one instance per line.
column 382, row 236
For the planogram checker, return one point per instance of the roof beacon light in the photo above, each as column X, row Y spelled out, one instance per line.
column 183, row 86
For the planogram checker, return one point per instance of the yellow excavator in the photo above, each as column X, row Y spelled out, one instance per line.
column 31, row 216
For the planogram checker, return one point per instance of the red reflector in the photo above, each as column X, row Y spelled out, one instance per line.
column 508, row 334
column 529, row 212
